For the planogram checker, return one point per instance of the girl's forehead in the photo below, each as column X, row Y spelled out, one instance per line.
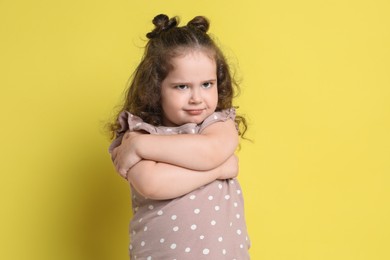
column 191, row 66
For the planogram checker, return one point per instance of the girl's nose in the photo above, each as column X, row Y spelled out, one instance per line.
column 196, row 96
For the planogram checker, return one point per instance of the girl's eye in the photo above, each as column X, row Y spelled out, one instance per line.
column 181, row 86
column 207, row 85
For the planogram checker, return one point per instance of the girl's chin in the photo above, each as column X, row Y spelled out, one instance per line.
column 196, row 119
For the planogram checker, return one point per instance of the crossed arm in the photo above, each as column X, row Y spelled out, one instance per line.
column 168, row 166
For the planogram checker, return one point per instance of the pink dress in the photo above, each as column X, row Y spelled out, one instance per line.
column 207, row 223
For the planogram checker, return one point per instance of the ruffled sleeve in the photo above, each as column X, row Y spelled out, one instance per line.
column 222, row 115
column 130, row 122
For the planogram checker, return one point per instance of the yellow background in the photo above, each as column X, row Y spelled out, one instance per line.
column 315, row 87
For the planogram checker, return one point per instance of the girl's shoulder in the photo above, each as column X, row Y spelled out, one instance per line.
column 218, row 116
column 130, row 122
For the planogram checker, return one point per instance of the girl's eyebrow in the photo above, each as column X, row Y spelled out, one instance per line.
column 209, row 80
column 189, row 83
column 180, row 83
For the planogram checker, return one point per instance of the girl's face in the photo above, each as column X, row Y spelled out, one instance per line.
column 189, row 93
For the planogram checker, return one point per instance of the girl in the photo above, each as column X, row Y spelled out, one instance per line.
column 175, row 143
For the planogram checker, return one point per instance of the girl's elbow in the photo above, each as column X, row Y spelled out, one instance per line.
column 153, row 192
column 147, row 181
column 151, row 188
column 148, row 187
column 143, row 182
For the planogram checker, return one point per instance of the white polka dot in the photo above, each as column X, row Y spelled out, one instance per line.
column 231, row 223
column 143, row 243
column 131, row 247
column 224, row 251
column 193, row 131
column 138, row 124
column 162, row 240
column 206, row 251
column 160, row 212
column 187, row 250
column 216, row 208
column 220, row 239
column 201, row 237
column 169, row 130
column 241, row 246
column 220, row 186
column 173, row 246
column 174, row 217
column 193, row 227
column 215, row 117
column 140, row 220
column 231, row 182
column 149, row 258
column 237, row 215
column 145, row 228
column 246, row 238
column 213, row 222
column 227, row 197
column 175, row 228
column 192, row 197
column 238, row 231
column 238, row 192
column 136, row 209
column 134, row 232
column 151, row 207
column 235, row 204
column 197, row 211
column 211, row 197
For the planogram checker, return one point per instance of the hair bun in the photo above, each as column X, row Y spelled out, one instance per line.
column 200, row 23
column 162, row 23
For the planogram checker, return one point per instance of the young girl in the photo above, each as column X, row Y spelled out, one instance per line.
column 175, row 141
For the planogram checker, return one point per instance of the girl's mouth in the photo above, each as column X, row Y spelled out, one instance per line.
column 194, row 112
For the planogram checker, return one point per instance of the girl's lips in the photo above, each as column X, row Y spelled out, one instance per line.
column 194, row 112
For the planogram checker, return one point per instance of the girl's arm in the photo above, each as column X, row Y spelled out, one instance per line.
column 160, row 181
column 200, row 152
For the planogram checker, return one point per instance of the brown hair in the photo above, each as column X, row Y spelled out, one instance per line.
column 167, row 40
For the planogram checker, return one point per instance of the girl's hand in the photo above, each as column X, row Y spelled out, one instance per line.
column 125, row 156
column 229, row 169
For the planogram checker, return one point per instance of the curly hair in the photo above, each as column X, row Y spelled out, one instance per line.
column 166, row 41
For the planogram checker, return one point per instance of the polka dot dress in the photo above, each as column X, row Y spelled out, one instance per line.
column 207, row 223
